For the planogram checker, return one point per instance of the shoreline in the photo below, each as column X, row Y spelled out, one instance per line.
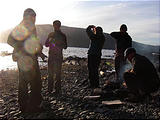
column 73, row 103
column 70, row 58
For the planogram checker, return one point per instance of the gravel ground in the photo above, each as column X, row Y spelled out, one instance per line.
column 73, row 104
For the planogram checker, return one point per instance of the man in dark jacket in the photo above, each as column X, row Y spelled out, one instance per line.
column 56, row 42
column 94, row 53
column 123, row 41
column 142, row 79
column 27, row 48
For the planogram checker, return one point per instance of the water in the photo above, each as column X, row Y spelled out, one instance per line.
column 6, row 62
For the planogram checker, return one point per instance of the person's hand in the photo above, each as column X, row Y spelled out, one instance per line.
column 131, row 71
column 124, row 84
column 92, row 26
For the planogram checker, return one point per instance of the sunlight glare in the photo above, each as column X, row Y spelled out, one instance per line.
column 20, row 32
column 32, row 45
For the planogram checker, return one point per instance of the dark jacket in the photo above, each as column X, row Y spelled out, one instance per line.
column 56, row 42
column 96, row 43
column 123, row 41
column 145, row 71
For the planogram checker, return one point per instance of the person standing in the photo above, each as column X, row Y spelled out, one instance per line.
column 56, row 42
column 142, row 79
column 97, row 40
column 27, row 48
column 123, row 41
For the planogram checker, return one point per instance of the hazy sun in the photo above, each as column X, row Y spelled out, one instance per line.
column 47, row 10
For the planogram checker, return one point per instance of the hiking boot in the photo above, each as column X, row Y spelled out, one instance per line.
column 135, row 98
column 92, row 87
column 34, row 109
column 132, row 99
column 57, row 93
column 84, row 83
column 50, row 91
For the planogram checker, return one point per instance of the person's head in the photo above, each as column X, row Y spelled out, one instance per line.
column 29, row 14
column 123, row 28
column 56, row 25
column 129, row 53
column 99, row 30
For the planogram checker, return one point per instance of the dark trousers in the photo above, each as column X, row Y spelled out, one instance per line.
column 93, row 65
column 133, row 84
column 54, row 72
column 119, row 63
column 143, row 84
column 29, row 74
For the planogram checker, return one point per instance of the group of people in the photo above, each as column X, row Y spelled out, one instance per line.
column 27, row 49
column 142, row 79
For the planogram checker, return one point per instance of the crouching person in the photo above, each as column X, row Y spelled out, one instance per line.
column 142, row 79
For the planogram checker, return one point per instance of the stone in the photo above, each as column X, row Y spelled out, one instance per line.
column 112, row 102
column 12, row 112
column 99, row 110
column 1, row 101
column 92, row 97
column 2, row 116
column 97, row 91
column 83, row 112
column 61, row 108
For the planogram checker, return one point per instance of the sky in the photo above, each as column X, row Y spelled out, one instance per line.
column 141, row 16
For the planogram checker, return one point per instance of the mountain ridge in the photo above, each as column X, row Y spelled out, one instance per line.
column 77, row 37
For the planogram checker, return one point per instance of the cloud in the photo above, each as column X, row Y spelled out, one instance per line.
column 142, row 18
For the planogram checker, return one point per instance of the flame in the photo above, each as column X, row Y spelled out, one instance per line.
column 101, row 72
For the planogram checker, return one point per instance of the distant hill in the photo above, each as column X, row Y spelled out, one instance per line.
column 77, row 37
column 4, row 36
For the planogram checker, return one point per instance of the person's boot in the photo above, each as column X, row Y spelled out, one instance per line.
column 58, row 90
column 50, row 88
column 23, row 105
column 34, row 105
column 50, row 84
column 22, row 109
column 34, row 109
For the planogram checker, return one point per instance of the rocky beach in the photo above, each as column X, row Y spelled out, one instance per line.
column 77, row 100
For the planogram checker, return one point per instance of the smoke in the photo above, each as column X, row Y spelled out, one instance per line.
column 146, row 50
column 124, row 68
